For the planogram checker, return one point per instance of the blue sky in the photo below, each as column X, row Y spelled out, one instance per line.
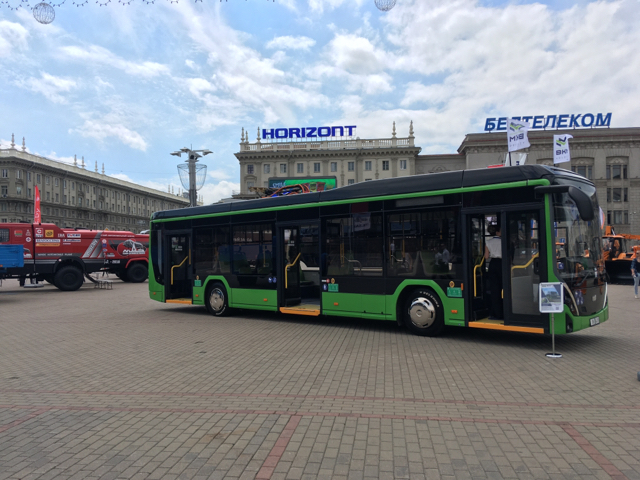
column 126, row 85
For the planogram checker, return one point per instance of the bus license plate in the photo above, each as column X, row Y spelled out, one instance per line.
column 594, row 321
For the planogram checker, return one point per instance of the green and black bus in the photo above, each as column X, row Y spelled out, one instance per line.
column 408, row 250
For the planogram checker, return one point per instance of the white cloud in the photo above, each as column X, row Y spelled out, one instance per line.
column 103, row 130
column 13, row 36
column 50, row 86
column 319, row 6
column 289, row 42
column 212, row 192
column 97, row 55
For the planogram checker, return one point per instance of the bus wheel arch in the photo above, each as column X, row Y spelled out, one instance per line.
column 217, row 300
column 422, row 312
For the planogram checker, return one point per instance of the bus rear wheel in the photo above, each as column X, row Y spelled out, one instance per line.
column 423, row 313
column 68, row 278
column 217, row 301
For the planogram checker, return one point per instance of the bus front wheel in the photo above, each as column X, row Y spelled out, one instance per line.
column 217, row 300
column 423, row 314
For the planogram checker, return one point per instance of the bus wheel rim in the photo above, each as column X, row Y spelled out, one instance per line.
column 422, row 313
column 216, row 299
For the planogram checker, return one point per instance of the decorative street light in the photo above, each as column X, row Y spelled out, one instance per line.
column 192, row 176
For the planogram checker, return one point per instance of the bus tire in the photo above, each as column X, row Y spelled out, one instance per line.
column 423, row 313
column 217, row 300
column 137, row 273
column 68, row 278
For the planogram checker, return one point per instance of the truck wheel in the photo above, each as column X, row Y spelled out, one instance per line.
column 68, row 278
column 216, row 300
column 137, row 273
column 423, row 314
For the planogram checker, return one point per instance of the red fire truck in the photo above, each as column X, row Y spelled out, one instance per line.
column 63, row 256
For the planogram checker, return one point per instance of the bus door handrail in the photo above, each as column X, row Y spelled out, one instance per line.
column 526, row 264
column 177, row 266
column 286, row 270
column 475, row 277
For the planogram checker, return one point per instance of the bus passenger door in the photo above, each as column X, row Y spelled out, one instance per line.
column 523, row 267
column 178, row 266
column 290, row 254
column 477, row 268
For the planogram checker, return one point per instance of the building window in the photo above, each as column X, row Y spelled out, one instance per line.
column 28, row 176
column 250, row 185
column 351, row 181
column 334, row 166
column 300, row 167
column 385, row 165
column 403, row 164
column 316, row 167
column 618, row 217
column 19, row 190
column 48, row 196
column 5, row 173
column 64, row 183
column 367, row 165
column 57, row 182
column 250, row 169
column 4, row 190
column 73, row 185
column 57, row 198
column 367, row 179
column 47, row 180
column 64, row 199
column 616, row 172
column 351, row 166
column 584, row 170
column 29, row 192
column 18, row 173
column 38, row 179
column 266, row 168
column 283, row 168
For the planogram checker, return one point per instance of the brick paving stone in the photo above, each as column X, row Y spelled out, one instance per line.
column 127, row 393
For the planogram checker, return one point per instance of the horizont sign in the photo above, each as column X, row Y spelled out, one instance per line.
column 308, row 132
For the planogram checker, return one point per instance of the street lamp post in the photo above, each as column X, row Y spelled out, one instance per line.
column 192, row 182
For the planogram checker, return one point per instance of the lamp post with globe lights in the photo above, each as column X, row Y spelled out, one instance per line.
column 192, row 176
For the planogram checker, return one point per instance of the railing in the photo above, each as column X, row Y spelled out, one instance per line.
column 327, row 145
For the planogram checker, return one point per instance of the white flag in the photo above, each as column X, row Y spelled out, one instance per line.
column 561, row 148
column 517, row 134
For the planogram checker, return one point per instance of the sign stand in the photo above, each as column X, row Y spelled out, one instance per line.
column 553, row 353
column 551, row 297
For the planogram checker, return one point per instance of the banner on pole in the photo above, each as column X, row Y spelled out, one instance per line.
column 561, row 148
column 37, row 218
column 517, row 134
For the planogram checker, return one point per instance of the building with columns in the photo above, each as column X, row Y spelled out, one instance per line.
column 350, row 160
column 610, row 157
column 73, row 196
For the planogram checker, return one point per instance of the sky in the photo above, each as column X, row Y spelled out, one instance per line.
column 125, row 85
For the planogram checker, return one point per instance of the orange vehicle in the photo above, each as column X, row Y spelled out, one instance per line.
column 618, row 251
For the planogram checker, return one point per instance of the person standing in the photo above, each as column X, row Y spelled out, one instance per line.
column 634, row 271
column 493, row 252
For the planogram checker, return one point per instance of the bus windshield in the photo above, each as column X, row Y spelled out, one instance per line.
column 579, row 263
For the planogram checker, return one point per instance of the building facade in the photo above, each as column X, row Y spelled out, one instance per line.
column 610, row 157
column 350, row 161
column 74, row 197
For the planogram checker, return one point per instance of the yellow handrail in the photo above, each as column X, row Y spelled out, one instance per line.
column 286, row 269
column 177, row 266
column 526, row 264
column 475, row 277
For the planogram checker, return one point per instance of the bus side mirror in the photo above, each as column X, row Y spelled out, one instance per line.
column 583, row 202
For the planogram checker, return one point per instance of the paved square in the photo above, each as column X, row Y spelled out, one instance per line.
column 107, row 384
